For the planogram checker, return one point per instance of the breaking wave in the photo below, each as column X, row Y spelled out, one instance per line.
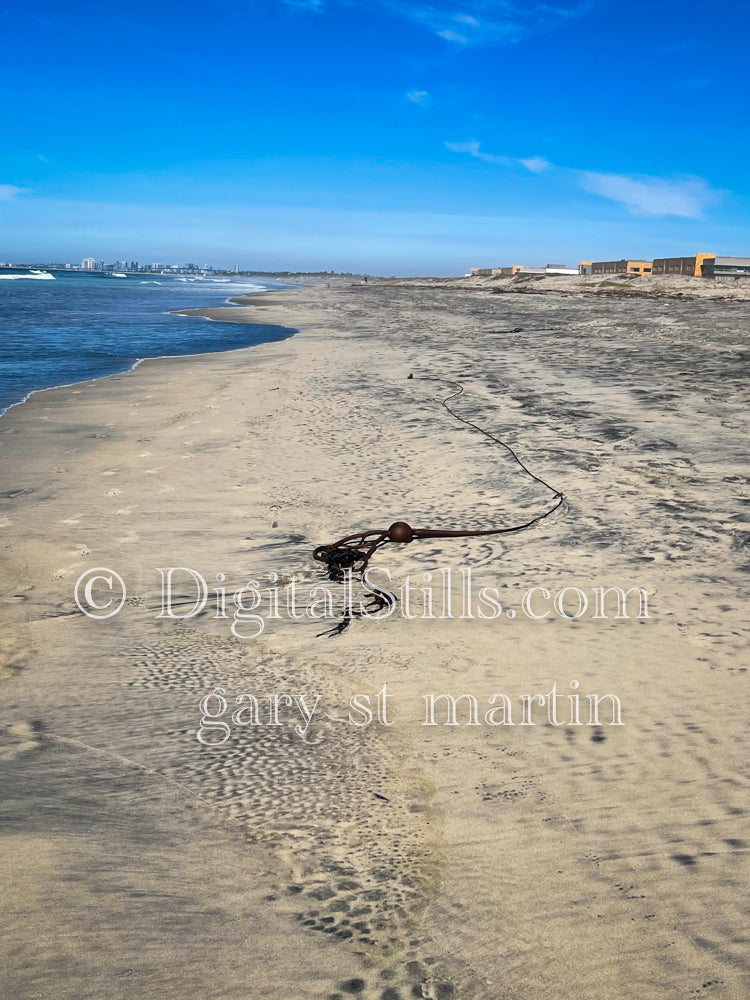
column 30, row 276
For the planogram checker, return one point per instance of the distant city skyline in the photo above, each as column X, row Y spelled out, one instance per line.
column 376, row 137
column 91, row 264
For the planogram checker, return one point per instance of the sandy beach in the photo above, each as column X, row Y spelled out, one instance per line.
column 554, row 859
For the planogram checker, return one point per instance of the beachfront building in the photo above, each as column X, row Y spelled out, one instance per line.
column 512, row 269
column 559, row 269
column 88, row 264
column 623, row 266
column 682, row 265
column 700, row 265
column 726, row 268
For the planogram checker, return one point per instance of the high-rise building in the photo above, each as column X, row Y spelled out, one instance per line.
column 89, row 264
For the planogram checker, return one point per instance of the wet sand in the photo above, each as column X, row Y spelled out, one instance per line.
column 387, row 862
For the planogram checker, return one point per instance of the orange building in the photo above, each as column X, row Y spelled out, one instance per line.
column 683, row 265
column 615, row 267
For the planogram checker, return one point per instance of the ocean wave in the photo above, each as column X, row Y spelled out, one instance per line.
column 31, row 276
column 247, row 289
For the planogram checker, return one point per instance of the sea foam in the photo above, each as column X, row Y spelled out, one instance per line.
column 31, row 276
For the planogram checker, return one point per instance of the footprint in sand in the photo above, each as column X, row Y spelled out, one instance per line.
column 18, row 738
column 114, row 493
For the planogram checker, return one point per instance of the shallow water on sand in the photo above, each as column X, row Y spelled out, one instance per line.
column 79, row 326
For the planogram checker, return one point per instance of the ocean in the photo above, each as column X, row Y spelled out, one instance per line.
column 57, row 328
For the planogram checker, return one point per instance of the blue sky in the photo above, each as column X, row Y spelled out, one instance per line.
column 390, row 136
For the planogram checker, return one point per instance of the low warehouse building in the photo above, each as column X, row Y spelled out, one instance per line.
column 513, row 269
column 615, row 267
column 547, row 269
column 700, row 265
column 682, row 265
column 726, row 268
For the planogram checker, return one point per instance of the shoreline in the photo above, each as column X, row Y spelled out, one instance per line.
column 473, row 862
column 198, row 312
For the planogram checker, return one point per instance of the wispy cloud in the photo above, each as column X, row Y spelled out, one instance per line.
column 473, row 148
column 683, row 196
column 536, row 164
column 314, row 6
column 687, row 197
column 453, row 36
column 420, row 97
column 476, row 22
column 488, row 22
column 9, row 191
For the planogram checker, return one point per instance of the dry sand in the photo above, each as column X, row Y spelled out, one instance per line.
column 518, row 863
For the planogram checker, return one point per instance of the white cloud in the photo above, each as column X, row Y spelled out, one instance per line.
column 477, row 22
column 536, row 164
column 9, row 191
column 453, row 36
column 687, row 197
column 420, row 97
column 488, row 22
column 473, row 148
